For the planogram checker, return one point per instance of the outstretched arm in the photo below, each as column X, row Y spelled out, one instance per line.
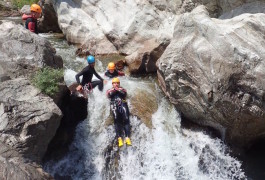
column 98, row 76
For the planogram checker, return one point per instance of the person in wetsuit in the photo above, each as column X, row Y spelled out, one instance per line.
column 112, row 72
column 120, row 111
column 87, row 73
column 31, row 19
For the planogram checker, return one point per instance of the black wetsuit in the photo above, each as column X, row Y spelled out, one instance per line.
column 31, row 23
column 114, row 74
column 34, row 21
column 120, row 111
column 87, row 74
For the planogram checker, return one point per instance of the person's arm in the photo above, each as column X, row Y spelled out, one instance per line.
column 111, row 92
column 97, row 75
column 77, row 77
column 80, row 74
column 120, row 73
column 107, row 74
column 30, row 24
column 79, row 87
column 122, row 92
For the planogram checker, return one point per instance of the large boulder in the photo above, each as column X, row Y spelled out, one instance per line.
column 49, row 20
column 132, row 28
column 25, row 124
column 28, row 118
column 213, row 71
column 13, row 166
column 139, row 28
column 230, row 5
column 253, row 8
column 22, row 52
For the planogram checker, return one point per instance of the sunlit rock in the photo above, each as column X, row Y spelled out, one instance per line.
column 22, row 52
column 29, row 119
column 144, row 105
column 213, row 71
column 126, row 27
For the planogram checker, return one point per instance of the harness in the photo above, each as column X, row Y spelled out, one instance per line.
column 87, row 88
column 118, row 103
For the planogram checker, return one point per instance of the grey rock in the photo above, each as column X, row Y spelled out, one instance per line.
column 213, row 71
column 29, row 119
column 22, row 52
column 13, row 166
column 252, row 8
column 25, row 9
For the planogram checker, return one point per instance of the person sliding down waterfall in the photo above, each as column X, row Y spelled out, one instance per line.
column 120, row 110
column 112, row 72
column 86, row 85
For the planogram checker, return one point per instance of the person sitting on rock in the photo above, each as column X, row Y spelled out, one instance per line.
column 31, row 20
column 120, row 111
column 112, row 72
column 87, row 84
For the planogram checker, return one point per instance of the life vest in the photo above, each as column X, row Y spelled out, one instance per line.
column 112, row 75
column 31, row 23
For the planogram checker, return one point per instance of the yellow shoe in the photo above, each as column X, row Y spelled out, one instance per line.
column 120, row 143
column 128, row 141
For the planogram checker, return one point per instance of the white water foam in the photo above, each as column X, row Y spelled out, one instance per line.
column 164, row 152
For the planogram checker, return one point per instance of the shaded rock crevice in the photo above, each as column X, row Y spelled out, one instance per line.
column 74, row 110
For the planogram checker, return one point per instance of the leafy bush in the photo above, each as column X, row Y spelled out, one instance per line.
column 47, row 80
column 21, row 3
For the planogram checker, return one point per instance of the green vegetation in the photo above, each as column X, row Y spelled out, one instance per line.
column 21, row 3
column 47, row 80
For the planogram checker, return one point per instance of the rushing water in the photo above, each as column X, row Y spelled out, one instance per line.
column 166, row 151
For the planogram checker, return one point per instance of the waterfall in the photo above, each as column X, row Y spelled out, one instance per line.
column 165, row 151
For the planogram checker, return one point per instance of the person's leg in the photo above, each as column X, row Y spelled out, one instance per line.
column 118, row 129
column 117, row 125
column 97, row 83
column 126, row 119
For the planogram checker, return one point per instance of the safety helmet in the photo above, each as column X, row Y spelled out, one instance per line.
column 111, row 66
column 115, row 80
column 90, row 59
column 35, row 8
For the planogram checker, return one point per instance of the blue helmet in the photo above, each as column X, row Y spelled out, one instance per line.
column 90, row 59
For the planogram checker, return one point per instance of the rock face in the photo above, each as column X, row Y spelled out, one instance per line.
column 13, row 166
column 28, row 118
column 21, row 51
column 144, row 105
column 49, row 21
column 74, row 110
column 252, row 8
column 132, row 28
column 25, row 125
column 213, row 71
column 138, row 28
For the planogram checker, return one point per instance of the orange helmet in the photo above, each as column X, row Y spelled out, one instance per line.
column 115, row 80
column 111, row 66
column 35, row 8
